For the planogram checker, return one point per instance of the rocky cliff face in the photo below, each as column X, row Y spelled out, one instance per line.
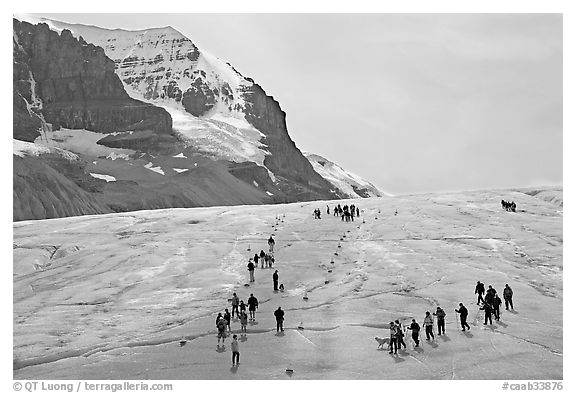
column 264, row 113
column 70, row 83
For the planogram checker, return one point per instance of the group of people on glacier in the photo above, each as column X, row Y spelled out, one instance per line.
column 346, row 213
column 487, row 299
column 490, row 304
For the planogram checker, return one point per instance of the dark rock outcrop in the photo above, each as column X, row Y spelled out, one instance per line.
column 42, row 188
column 286, row 160
column 199, row 99
column 75, row 86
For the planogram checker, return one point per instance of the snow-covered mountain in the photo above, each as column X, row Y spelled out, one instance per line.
column 350, row 184
column 173, row 107
column 205, row 96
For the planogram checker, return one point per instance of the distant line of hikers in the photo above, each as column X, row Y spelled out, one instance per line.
column 345, row 212
column 508, row 206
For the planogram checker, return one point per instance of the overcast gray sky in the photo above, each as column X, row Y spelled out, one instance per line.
column 410, row 102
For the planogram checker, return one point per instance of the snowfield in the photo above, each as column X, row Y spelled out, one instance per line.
column 112, row 296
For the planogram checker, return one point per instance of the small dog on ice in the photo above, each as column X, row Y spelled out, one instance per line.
column 382, row 341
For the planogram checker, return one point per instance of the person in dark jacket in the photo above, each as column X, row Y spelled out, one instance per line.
column 251, row 270
column 256, row 258
column 480, row 291
column 252, row 306
column 221, row 325
column 496, row 302
column 279, row 314
column 227, row 317
column 275, row 280
column 393, row 339
column 490, row 292
column 235, row 304
column 440, row 318
column 463, row 311
column 487, row 312
column 399, row 334
column 507, row 294
column 271, row 243
column 262, row 254
column 415, row 328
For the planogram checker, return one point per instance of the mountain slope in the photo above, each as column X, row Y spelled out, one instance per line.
column 351, row 185
column 215, row 109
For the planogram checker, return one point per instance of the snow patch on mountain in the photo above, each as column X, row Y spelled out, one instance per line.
column 22, row 148
column 347, row 182
column 153, row 168
column 38, row 19
column 80, row 141
column 108, row 178
column 219, row 137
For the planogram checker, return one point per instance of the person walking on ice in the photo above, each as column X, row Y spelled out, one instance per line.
column 271, row 243
column 490, row 292
column 235, row 303
column 251, row 270
column 400, row 334
column 496, row 302
column 428, row 325
column 507, row 294
column 393, row 339
column 415, row 328
column 279, row 314
column 275, row 280
column 243, row 322
column 221, row 330
column 440, row 317
column 235, row 346
column 227, row 318
column 252, row 306
column 480, row 291
column 463, row 311
column 487, row 312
